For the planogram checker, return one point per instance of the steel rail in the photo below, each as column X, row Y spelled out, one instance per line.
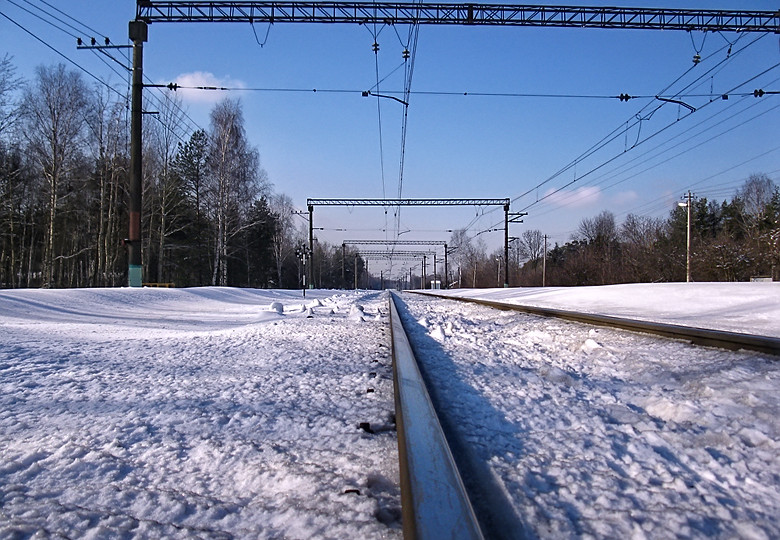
column 434, row 503
column 698, row 336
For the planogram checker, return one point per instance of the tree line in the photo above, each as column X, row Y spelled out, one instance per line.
column 734, row 240
column 211, row 216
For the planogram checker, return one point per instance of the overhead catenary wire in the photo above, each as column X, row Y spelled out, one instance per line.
column 618, row 131
column 620, row 171
column 639, row 118
column 99, row 53
column 42, row 41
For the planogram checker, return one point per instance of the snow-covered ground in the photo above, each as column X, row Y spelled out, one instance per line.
column 195, row 413
column 752, row 308
column 217, row 412
column 599, row 433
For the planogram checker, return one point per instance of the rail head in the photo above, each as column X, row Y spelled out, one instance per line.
column 433, row 499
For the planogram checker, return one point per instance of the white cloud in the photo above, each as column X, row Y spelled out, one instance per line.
column 204, row 78
column 576, row 198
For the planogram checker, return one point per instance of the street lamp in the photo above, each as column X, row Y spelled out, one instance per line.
column 687, row 204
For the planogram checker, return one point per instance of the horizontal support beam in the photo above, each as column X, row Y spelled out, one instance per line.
column 707, row 20
column 399, row 254
column 407, row 202
column 394, row 242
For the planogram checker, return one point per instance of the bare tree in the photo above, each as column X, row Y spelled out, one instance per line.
column 169, row 188
column 531, row 245
column 108, row 143
column 284, row 240
column 601, row 229
column 52, row 116
column 235, row 180
column 756, row 194
column 639, row 235
column 9, row 83
column 755, row 220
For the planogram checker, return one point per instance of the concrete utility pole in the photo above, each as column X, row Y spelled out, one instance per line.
column 688, row 203
column 544, row 262
column 311, row 246
column 138, row 33
column 343, row 265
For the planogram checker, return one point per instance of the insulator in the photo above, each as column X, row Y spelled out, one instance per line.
column 758, row 93
column 405, row 54
column 375, row 47
column 696, row 58
column 93, row 41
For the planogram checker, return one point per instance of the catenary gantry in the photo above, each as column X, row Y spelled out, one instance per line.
column 707, row 20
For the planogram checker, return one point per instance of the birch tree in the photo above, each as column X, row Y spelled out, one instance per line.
column 235, row 180
column 52, row 116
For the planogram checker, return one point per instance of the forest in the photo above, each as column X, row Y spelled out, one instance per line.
column 211, row 216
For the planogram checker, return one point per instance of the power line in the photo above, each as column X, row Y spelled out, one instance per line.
column 612, row 159
column 612, row 136
column 85, row 70
column 617, row 172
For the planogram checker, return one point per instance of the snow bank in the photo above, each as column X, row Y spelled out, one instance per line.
column 194, row 413
column 752, row 308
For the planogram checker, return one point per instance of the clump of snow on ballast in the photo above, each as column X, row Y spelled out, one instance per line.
column 356, row 313
column 278, row 307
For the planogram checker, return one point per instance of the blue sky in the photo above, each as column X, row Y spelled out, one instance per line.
column 327, row 144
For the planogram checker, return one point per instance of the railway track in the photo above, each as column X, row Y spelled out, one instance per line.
column 565, row 417
column 697, row 336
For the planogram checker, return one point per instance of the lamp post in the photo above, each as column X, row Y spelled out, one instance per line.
column 687, row 204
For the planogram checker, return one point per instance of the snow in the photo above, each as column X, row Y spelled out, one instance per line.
column 593, row 432
column 219, row 412
column 752, row 308
column 196, row 412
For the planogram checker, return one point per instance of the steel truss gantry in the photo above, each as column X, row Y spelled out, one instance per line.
column 311, row 203
column 395, row 243
column 407, row 202
column 707, row 20
column 394, row 254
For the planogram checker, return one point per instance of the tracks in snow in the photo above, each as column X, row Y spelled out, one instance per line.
column 564, row 429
